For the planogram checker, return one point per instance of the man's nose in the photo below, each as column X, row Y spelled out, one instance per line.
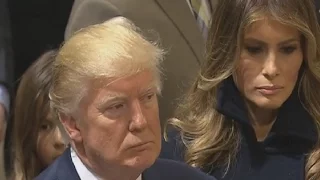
column 138, row 119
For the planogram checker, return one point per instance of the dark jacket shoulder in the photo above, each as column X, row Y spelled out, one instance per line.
column 174, row 170
column 173, row 147
column 61, row 169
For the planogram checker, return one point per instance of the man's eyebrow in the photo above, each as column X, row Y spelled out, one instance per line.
column 148, row 88
column 110, row 97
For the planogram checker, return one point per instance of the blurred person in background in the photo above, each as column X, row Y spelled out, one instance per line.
column 36, row 139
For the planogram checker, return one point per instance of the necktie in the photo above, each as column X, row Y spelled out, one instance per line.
column 202, row 12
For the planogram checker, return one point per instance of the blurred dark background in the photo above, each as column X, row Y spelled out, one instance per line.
column 37, row 26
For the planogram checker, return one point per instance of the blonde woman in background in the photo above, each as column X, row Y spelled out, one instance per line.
column 253, row 113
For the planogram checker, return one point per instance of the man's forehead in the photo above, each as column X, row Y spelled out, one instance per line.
column 141, row 80
column 126, row 91
column 121, row 89
column 106, row 94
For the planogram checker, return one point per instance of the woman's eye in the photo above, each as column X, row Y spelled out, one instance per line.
column 254, row 49
column 288, row 49
column 46, row 126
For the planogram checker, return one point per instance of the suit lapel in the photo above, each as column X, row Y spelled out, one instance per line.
column 151, row 174
column 66, row 169
column 180, row 15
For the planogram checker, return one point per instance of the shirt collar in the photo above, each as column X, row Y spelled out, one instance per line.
column 81, row 169
column 83, row 172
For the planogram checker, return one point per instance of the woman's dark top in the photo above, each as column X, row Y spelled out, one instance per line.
column 281, row 156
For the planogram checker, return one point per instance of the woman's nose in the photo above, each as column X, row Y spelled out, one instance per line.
column 59, row 143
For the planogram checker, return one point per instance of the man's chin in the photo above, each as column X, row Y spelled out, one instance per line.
column 141, row 162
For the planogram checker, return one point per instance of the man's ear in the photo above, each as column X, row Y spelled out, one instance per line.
column 71, row 127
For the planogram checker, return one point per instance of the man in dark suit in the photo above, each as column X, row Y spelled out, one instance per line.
column 104, row 91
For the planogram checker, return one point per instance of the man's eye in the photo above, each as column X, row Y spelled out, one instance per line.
column 118, row 106
column 115, row 107
column 150, row 96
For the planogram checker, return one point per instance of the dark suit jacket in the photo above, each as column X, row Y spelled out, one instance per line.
column 63, row 169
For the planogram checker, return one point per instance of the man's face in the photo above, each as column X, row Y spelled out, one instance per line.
column 119, row 123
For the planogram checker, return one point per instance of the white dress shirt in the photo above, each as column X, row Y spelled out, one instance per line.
column 83, row 172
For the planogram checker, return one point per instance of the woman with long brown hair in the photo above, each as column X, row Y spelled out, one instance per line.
column 253, row 113
column 36, row 140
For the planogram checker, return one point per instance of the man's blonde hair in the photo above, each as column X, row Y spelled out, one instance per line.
column 113, row 49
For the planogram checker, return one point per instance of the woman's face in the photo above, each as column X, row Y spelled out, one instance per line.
column 50, row 144
column 269, row 63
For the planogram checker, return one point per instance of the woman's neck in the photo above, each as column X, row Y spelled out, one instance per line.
column 261, row 120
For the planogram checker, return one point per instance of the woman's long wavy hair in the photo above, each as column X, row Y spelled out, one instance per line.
column 31, row 106
column 211, row 140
